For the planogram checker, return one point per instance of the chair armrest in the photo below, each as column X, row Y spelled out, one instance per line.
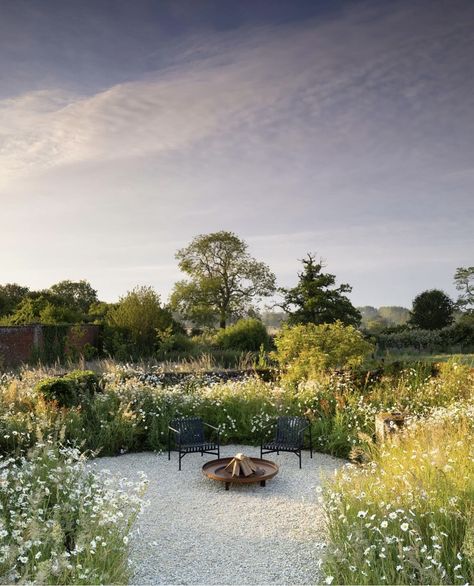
column 173, row 429
column 212, row 426
column 303, row 429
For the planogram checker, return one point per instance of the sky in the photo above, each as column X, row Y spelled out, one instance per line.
column 341, row 128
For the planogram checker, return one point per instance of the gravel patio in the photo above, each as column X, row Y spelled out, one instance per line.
column 194, row 532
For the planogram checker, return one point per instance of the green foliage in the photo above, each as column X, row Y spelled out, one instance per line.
column 170, row 341
column 464, row 281
column 316, row 299
column 43, row 309
column 56, row 516
column 245, row 335
column 11, row 296
column 132, row 412
column 407, row 516
column 304, row 351
column 135, row 322
column 432, row 310
column 224, row 279
column 77, row 296
column 459, row 336
column 378, row 320
column 72, row 389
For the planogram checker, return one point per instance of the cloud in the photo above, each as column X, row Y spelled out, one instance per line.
column 265, row 90
column 342, row 136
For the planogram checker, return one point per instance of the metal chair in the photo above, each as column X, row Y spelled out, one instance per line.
column 189, row 437
column 289, row 437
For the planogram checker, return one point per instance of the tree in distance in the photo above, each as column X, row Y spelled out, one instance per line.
column 140, row 318
column 76, row 295
column 224, row 280
column 432, row 310
column 316, row 299
column 464, row 282
column 11, row 295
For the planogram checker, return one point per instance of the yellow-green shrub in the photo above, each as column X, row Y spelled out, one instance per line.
column 304, row 351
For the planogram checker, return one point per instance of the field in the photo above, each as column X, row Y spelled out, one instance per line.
column 127, row 409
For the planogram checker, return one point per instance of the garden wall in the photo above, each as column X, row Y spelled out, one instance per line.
column 22, row 344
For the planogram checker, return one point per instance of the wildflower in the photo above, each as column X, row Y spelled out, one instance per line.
column 404, row 526
column 329, row 579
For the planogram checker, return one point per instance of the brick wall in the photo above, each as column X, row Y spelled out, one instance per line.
column 21, row 344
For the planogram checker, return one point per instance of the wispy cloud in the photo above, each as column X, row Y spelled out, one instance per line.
column 341, row 135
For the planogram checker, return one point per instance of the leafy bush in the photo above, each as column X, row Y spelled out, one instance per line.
column 246, row 335
column 56, row 517
column 133, row 324
column 407, row 516
column 460, row 335
column 304, row 351
column 71, row 389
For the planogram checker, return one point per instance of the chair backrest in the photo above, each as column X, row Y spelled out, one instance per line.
column 191, row 429
column 288, row 430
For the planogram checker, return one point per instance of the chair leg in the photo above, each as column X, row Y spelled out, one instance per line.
column 180, row 456
column 169, row 446
column 310, row 442
column 299, row 457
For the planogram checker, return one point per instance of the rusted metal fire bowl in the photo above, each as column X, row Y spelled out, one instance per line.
column 215, row 469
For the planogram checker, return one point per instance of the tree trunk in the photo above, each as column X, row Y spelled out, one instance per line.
column 222, row 323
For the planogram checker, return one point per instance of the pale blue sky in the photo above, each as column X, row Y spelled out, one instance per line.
column 342, row 128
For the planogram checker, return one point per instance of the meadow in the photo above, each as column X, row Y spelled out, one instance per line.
column 46, row 432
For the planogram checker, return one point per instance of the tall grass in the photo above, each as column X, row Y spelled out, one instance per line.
column 133, row 415
column 407, row 517
column 63, row 524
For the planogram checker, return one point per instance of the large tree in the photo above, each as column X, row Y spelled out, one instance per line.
column 11, row 295
column 224, row 280
column 76, row 295
column 432, row 310
column 464, row 281
column 316, row 299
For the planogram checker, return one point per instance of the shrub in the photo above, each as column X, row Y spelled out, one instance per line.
column 304, row 351
column 246, row 335
column 71, row 389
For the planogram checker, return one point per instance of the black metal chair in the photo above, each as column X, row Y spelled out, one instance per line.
column 289, row 437
column 189, row 437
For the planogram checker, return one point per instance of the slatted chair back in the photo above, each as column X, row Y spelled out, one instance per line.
column 191, row 430
column 288, row 431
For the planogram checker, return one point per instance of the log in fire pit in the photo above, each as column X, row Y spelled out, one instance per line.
column 240, row 470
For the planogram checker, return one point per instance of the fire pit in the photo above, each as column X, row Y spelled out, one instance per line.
column 222, row 469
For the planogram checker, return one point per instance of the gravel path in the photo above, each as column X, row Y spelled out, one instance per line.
column 195, row 532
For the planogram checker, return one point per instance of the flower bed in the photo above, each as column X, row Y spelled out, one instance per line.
column 62, row 524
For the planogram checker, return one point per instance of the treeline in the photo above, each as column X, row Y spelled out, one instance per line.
column 215, row 307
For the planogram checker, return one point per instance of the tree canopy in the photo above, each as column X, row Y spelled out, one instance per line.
column 316, row 299
column 464, row 282
column 78, row 295
column 224, row 279
column 432, row 310
column 11, row 295
column 140, row 318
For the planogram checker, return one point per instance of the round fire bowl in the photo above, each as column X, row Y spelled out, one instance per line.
column 215, row 469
